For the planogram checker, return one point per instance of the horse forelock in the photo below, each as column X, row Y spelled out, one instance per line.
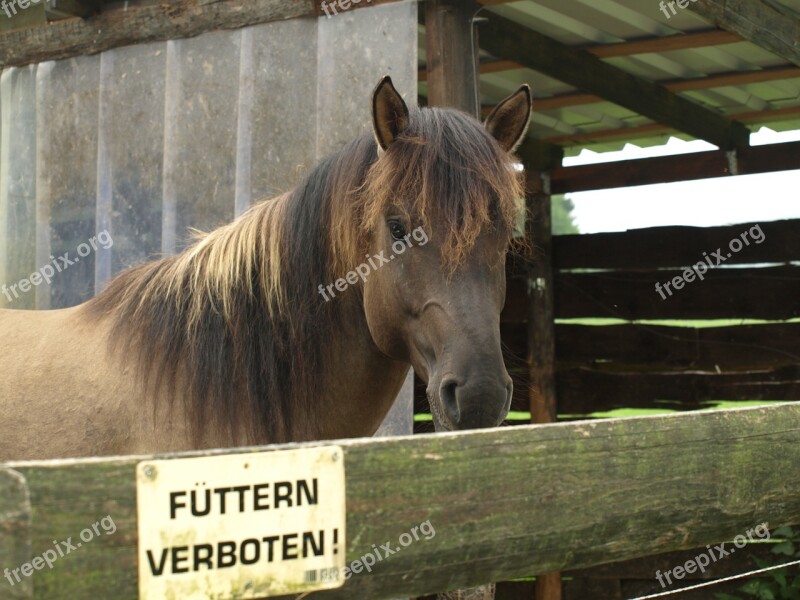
column 448, row 170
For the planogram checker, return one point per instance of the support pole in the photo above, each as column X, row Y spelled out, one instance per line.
column 541, row 328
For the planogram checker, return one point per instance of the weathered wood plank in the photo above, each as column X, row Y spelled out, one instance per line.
column 743, row 348
column 150, row 22
column 659, row 247
column 664, row 348
column 766, row 24
column 587, row 391
column 496, row 499
column 140, row 24
column 769, row 293
column 666, row 169
column 15, row 531
column 583, row 391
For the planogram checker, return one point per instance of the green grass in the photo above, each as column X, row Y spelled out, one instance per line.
column 516, row 415
column 693, row 324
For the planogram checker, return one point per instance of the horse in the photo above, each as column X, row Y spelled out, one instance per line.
column 299, row 320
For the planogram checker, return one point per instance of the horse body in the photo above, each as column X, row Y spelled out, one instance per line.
column 235, row 341
column 65, row 395
column 57, row 397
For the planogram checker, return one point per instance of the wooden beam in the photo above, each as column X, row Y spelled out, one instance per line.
column 681, row 167
column 589, row 391
column 756, row 117
column 765, row 23
column 511, row 41
column 640, row 348
column 632, row 295
column 158, row 22
column 660, row 348
column 610, row 135
column 765, row 116
column 749, row 293
column 680, row 85
column 668, row 43
column 659, row 44
column 733, row 79
column 584, row 390
column 666, row 484
column 152, row 23
column 673, row 246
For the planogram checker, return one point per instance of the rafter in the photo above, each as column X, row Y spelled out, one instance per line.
column 756, row 117
column 701, row 39
column 681, row 85
column 508, row 40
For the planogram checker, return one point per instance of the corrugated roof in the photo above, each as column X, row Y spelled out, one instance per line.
column 603, row 126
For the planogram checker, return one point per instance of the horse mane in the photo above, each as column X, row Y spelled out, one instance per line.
column 233, row 327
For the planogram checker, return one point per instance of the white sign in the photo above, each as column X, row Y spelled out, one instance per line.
column 242, row 525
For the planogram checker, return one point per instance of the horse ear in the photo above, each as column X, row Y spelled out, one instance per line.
column 389, row 113
column 509, row 120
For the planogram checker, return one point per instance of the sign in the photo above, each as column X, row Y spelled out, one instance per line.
column 242, row 525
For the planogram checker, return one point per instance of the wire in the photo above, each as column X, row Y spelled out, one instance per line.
column 716, row 581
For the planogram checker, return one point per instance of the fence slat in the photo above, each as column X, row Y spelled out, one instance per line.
column 753, row 293
column 676, row 246
column 503, row 502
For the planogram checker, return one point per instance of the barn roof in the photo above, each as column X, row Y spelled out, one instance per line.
column 728, row 74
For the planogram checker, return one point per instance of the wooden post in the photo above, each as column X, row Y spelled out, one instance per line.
column 541, row 328
column 449, row 46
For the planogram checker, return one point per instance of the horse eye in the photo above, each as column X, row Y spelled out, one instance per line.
column 397, row 230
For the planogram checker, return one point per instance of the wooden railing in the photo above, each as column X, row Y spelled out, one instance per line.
column 504, row 503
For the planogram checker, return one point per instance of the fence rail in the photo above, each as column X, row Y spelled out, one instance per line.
column 504, row 503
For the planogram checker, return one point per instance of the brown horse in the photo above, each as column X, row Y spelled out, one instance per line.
column 299, row 320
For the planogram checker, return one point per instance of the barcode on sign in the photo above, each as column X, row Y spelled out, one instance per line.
column 322, row 575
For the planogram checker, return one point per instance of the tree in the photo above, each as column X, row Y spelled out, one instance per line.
column 563, row 221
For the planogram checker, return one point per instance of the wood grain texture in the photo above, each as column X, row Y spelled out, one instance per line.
column 141, row 24
column 769, row 293
column 496, row 499
column 685, row 167
column 676, row 246
column 764, row 23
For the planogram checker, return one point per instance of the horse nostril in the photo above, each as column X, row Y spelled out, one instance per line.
column 447, row 396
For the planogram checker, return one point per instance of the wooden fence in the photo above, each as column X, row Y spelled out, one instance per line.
column 505, row 503
column 634, row 365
